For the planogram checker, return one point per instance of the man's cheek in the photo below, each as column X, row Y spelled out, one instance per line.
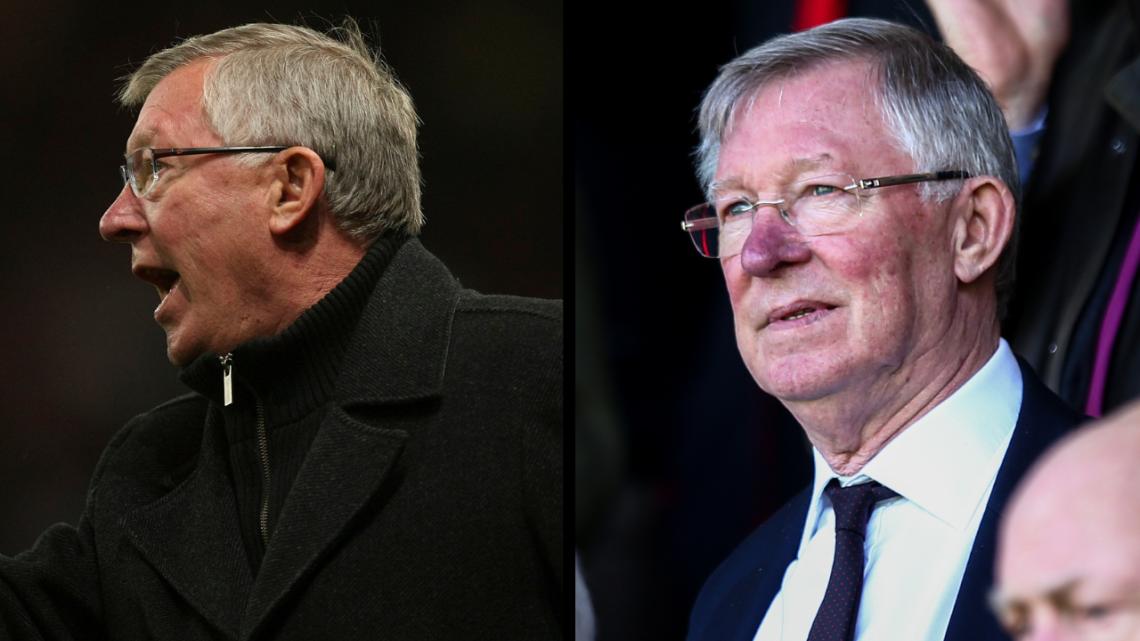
column 739, row 284
column 731, row 273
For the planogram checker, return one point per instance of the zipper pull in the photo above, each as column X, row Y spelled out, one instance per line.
column 227, row 377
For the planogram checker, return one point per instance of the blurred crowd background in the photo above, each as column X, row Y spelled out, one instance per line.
column 80, row 353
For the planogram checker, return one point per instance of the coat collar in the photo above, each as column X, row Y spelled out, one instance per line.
column 191, row 536
column 400, row 348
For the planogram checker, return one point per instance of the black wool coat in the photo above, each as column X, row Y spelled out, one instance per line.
column 429, row 506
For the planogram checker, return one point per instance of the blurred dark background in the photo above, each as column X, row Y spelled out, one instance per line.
column 80, row 353
column 678, row 454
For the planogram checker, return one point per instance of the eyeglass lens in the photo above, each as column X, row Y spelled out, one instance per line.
column 140, row 170
column 815, row 206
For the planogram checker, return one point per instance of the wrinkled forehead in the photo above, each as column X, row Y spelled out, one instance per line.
column 174, row 113
column 834, row 89
column 823, row 121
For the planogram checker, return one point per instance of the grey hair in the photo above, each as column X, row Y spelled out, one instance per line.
column 935, row 108
column 288, row 85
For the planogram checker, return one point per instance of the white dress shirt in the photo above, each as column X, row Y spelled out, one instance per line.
column 943, row 467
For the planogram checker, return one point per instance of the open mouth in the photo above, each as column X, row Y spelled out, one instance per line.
column 165, row 280
column 799, row 314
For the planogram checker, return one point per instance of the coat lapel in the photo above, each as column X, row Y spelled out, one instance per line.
column 398, row 355
column 348, row 462
column 1043, row 419
column 191, row 537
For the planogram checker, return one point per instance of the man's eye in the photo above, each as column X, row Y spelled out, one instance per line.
column 738, row 208
column 822, row 190
column 1095, row 611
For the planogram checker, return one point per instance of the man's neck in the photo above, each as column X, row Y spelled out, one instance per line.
column 308, row 276
column 850, row 427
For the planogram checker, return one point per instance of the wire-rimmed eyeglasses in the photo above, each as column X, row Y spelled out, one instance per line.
column 141, row 168
column 815, row 206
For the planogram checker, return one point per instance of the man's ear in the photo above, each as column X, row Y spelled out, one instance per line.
column 298, row 180
column 984, row 214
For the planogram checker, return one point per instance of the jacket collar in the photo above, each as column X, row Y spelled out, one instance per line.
column 397, row 355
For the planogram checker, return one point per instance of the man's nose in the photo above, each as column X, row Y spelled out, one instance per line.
column 772, row 245
column 123, row 221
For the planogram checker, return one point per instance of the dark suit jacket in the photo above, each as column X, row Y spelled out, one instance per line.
column 736, row 597
column 429, row 506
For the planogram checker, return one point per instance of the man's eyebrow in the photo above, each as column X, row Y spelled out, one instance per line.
column 800, row 165
column 140, row 139
column 790, row 169
column 1063, row 595
column 726, row 184
column 1060, row 595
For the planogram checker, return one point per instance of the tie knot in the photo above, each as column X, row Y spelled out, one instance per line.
column 853, row 504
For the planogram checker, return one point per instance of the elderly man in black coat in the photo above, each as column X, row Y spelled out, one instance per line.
column 370, row 450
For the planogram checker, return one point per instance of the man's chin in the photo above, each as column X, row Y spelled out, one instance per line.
column 179, row 353
column 792, row 394
column 799, row 380
column 178, row 359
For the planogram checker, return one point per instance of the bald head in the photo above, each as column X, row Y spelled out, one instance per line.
column 1068, row 564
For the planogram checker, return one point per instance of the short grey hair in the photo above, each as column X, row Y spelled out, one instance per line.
column 934, row 106
column 288, row 85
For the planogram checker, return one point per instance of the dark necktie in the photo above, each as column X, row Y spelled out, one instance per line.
column 835, row 620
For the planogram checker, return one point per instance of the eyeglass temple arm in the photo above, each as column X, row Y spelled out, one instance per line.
column 194, row 151
column 703, row 223
column 871, row 183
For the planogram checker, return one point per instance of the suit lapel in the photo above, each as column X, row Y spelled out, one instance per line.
column 1043, row 419
column 737, row 596
column 191, row 537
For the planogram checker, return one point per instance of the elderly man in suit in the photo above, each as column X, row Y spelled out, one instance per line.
column 862, row 203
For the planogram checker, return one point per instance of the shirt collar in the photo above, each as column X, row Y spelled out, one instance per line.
column 946, row 460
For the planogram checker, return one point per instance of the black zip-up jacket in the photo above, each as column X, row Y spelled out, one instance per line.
column 429, row 505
